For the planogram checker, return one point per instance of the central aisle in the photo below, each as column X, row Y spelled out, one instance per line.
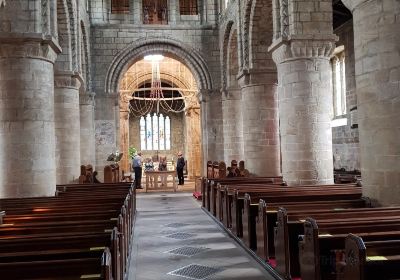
column 172, row 232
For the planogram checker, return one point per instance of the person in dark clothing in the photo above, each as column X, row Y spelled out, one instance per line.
column 180, row 164
column 137, row 167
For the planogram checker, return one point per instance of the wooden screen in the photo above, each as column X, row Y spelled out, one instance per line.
column 188, row 7
column 119, row 6
column 155, row 11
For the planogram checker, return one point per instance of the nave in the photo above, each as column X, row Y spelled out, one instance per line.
column 175, row 222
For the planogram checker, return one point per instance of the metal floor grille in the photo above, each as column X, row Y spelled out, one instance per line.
column 187, row 251
column 181, row 235
column 177, row 225
column 195, row 271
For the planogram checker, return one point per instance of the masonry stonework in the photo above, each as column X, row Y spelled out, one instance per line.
column 377, row 60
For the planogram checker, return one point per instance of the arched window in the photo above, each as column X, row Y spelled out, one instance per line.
column 155, row 133
column 339, row 82
column 119, row 6
column 188, row 7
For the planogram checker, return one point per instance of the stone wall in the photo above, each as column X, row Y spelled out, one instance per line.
column 346, row 149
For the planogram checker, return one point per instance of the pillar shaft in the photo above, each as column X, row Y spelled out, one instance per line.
column 261, row 125
column 232, row 125
column 86, row 114
column 67, row 127
column 27, row 163
column 305, row 108
column 377, row 60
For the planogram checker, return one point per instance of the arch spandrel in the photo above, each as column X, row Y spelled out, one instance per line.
column 166, row 46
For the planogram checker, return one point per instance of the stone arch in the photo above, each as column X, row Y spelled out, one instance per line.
column 168, row 46
column 85, row 60
column 224, row 54
column 73, row 18
column 232, row 61
column 260, row 34
column 64, row 59
column 246, row 33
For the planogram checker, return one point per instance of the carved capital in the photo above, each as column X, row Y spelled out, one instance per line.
column 87, row 98
column 303, row 47
column 204, row 95
column 36, row 47
column 353, row 4
column 67, row 79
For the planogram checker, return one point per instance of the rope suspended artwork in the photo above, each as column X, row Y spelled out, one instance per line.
column 157, row 97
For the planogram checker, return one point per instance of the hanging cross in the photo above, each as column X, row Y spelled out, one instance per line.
column 2, row 3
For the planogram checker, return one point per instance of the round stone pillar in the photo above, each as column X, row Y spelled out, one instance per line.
column 67, row 127
column 27, row 163
column 305, row 110
column 377, row 59
column 261, row 124
column 232, row 125
column 86, row 114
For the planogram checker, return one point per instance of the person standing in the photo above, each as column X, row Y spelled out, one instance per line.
column 180, row 164
column 137, row 168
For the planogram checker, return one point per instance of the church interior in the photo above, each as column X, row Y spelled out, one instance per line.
column 200, row 139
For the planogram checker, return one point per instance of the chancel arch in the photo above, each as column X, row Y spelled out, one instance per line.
column 185, row 71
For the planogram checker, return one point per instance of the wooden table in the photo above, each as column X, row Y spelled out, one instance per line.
column 158, row 180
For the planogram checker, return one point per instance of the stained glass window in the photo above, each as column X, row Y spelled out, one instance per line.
column 339, row 84
column 155, row 132
column 142, row 134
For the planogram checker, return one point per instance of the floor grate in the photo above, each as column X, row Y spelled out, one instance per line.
column 195, row 271
column 181, row 235
column 177, row 225
column 187, row 251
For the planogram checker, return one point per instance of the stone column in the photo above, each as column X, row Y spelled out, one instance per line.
column 173, row 11
column 212, row 138
column 67, row 126
column 27, row 163
column 86, row 114
column 193, row 140
column 124, row 137
column 232, row 125
column 305, row 109
column 377, row 60
column 260, row 123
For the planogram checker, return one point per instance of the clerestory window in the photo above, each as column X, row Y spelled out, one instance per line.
column 119, row 6
column 188, row 7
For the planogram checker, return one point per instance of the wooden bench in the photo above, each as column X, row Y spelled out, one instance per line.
column 290, row 225
column 323, row 237
column 370, row 260
column 77, row 224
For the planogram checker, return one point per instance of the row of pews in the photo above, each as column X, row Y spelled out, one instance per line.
column 84, row 232
column 309, row 232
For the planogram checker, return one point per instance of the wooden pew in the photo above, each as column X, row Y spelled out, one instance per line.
column 290, row 225
column 326, row 236
column 96, row 224
column 268, row 217
column 62, row 265
column 289, row 194
column 370, row 260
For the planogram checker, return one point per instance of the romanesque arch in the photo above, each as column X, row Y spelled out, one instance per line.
column 224, row 53
column 85, row 57
column 64, row 59
column 168, row 46
column 258, row 34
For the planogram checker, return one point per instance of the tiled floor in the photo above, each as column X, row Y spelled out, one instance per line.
column 172, row 221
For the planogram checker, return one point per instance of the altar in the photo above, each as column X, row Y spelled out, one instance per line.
column 160, row 180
